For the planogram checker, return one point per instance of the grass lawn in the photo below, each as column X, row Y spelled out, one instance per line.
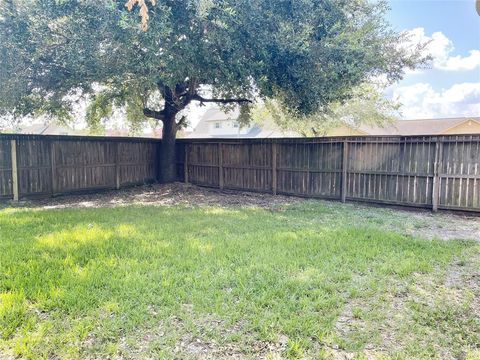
column 306, row 280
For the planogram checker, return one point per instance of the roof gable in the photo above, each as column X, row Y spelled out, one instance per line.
column 468, row 126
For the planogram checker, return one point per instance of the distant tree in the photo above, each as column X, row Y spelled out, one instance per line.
column 304, row 54
column 366, row 106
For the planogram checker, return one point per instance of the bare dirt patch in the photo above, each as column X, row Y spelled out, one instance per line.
column 420, row 223
column 194, row 341
column 165, row 195
column 445, row 225
column 440, row 307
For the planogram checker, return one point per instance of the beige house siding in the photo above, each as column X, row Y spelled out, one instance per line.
column 466, row 127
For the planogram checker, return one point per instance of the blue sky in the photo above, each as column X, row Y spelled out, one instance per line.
column 451, row 86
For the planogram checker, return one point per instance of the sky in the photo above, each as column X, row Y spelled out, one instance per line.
column 450, row 87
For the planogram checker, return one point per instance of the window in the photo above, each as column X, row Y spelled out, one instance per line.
column 218, row 125
column 235, row 124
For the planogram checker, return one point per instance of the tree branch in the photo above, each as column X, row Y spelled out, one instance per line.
column 159, row 115
column 182, row 122
column 202, row 100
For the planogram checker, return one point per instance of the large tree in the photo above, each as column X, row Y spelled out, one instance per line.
column 306, row 54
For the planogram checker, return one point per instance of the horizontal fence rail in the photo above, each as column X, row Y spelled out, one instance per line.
column 53, row 165
column 437, row 172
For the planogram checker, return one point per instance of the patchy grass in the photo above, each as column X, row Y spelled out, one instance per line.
column 310, row 279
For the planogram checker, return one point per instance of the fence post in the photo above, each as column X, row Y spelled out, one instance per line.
column 13, row 151
column 117, row 166
column 436, row 175
column 220, row 165
column 344, row 170
column 53, row 170
column 185, row 164
column 274, row 168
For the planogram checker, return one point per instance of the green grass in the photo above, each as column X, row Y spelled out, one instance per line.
column 168, row 281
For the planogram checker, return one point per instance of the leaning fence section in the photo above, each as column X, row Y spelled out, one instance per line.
column 439, row 172
column 53, row 165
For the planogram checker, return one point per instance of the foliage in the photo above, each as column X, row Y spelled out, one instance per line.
column 143, row 12
column 366, row 106
column 149, row 281
column 303, row 54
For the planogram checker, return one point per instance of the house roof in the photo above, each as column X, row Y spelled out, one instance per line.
column 201, row 130
column 48, row 129
column 418, row 126
column 256, row 131
column 215, row 114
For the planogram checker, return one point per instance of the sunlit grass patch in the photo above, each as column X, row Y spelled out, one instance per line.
column 138, row 281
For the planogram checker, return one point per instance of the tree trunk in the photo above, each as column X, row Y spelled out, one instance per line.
column 168, row 166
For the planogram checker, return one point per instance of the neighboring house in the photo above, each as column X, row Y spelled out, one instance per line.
column 218, row 124
column 450, row 126
column 49, row 129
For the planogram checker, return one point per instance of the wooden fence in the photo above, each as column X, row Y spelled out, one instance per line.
column 51, row 165
column 438, row 172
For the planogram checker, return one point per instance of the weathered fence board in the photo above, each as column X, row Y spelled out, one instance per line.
column 53, row 165
column 429, row 171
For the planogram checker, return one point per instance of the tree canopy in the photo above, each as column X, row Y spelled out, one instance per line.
column 367, row 105
column 304, row 54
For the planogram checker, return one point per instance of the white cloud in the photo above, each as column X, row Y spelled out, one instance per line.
column 441, row 48
column 421, row 101
column 462, row 63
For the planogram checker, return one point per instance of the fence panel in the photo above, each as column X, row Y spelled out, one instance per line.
column 325, row 164
column 137, row 161
column 53, row 165
column 5, row 169
column 34, row 166
column 391, row 170
column 310, row 168
column 246, row 166
column 459, row 173
column 84, row 165
column 203, row 164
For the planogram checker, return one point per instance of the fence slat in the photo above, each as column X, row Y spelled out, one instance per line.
column 344, row 171
column 15, row 183
column 118, row 183
column 220, row 166
column 53, row 169
column 185, row 164
column 436, row 177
